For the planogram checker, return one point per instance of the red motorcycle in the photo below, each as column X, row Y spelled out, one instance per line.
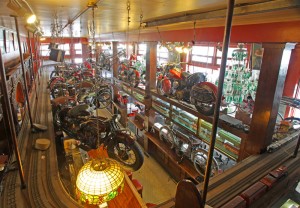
column 192, row 88
column 129, row 74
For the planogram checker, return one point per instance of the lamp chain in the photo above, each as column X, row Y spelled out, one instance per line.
column 159, row 35
column 128, row 22
column 141, row 22
column 194, row 41
column 93, row 27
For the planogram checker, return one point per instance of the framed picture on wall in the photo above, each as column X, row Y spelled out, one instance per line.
column 257, row 56
column 15, row 39
column 7, row 41
column 11, row 41
column 2, row 47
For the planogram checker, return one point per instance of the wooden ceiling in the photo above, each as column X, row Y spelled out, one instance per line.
column 111, row 16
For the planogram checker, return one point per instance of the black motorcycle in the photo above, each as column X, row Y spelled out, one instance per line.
column 91, row 131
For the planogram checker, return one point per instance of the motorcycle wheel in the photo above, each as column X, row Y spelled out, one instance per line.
column 206, row 109
column 130, row 155
column 103, row 99
column 199, row 159
column 206, row 92
column 166, row 135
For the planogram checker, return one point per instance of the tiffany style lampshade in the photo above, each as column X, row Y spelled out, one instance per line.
column 99, row 181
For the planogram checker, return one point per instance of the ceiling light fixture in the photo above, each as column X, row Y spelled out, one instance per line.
column 31, row 19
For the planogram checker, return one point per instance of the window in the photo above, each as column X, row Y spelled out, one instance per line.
column 142, row 49
column 78, row 49
column 44, row 48
column 203, row 54
column 65, row 47
column 162, row 54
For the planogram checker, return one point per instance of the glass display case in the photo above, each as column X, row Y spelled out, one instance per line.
column 226, row 143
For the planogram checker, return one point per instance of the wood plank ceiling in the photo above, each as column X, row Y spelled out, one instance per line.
column 111, row 16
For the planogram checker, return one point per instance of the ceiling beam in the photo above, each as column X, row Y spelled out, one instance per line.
column 238, row 11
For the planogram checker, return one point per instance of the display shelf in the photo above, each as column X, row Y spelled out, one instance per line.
column 185, row 165
column 226, row 142
column 136, row 93
column 224, row 148
column 191, row 110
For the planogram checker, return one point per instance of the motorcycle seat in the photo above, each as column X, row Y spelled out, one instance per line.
column 185, row 74
column 79, row 110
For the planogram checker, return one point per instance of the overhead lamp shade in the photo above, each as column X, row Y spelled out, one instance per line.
column 31, row 19
column 99, row 181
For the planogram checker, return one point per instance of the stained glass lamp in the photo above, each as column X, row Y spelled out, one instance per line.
column 99, row 181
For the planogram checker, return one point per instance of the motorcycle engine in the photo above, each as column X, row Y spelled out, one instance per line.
column 180, row 94
column 176, row 84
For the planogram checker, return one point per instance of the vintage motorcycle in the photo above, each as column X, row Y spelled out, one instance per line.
column 128, row 74
column 192, row 88
column 187, row 146
column 91, row 131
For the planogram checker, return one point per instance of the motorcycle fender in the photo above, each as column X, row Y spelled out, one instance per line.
column 124, row 137
column 137, row 74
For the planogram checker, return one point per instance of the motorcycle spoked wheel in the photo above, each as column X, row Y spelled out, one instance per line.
column 206, row 109
column 103, row 99
column 208, row 90
column 129, row 155
column 199, row 159
column 166, row 135
column 164, row 86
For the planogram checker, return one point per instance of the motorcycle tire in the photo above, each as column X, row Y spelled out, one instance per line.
column 103, row 99
column 115, row 150
column 199, row 159
column 207, row 92
column 167, row 136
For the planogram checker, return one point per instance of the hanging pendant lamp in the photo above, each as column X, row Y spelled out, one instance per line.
column 99, row 181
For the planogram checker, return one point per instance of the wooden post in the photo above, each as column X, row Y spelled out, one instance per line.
column 151, row 64
column 272, row 76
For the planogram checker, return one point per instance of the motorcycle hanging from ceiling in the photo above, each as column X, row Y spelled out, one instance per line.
column 128, row 73
column 192, row 88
